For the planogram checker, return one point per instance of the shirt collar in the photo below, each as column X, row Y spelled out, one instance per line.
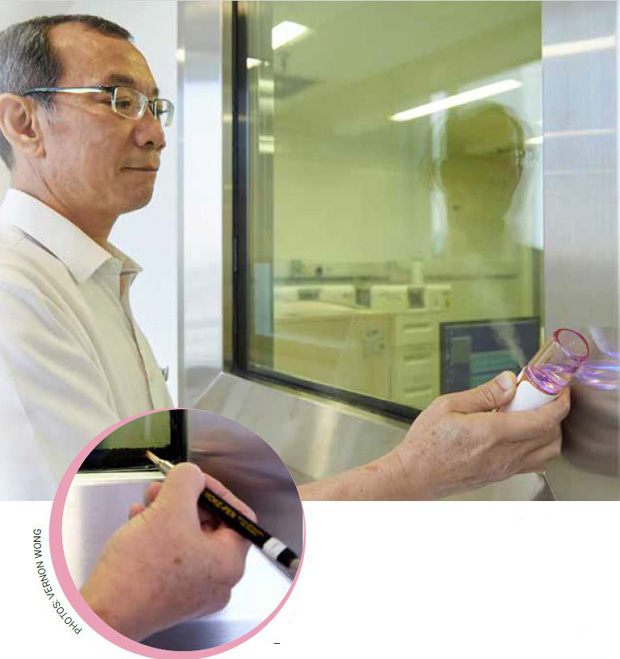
column 80, row 254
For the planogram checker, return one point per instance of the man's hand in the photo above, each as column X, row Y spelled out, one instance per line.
column 459, row 442
column 171, row 561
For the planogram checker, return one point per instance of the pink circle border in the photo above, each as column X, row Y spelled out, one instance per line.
column 63, row 575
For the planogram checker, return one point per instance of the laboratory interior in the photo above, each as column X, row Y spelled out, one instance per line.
column 365, row 205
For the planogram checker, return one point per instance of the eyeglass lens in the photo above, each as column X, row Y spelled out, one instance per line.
column 131, row 103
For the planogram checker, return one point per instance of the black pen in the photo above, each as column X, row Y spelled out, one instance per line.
column 273, row 548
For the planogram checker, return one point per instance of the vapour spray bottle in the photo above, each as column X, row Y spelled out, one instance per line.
column 549, row 371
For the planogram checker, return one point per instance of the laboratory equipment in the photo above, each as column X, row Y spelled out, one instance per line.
column 549, row 371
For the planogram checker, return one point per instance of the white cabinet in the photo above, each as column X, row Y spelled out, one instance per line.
column 392, row 356
column 414, row 358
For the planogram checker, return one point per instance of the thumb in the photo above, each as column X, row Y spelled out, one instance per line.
column 180, row 491
column 486, row 397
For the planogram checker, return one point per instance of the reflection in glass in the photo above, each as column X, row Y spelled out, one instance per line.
column 394, row 190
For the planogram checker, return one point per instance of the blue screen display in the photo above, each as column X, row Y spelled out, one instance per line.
column 475, row 352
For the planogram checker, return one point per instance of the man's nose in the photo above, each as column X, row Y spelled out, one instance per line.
column 149, row 132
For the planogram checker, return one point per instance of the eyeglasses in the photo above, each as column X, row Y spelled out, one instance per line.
column 125, row 101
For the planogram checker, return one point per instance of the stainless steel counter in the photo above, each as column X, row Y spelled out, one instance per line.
column 318, row 438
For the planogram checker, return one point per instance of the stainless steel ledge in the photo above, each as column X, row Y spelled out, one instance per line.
column 317, row 438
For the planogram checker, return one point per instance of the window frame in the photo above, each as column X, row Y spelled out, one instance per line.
column 241, row 291
column 133, row 459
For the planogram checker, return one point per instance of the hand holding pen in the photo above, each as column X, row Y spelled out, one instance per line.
column 171, row 561
column 215, row 503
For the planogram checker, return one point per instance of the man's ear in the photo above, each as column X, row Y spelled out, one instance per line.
column 20, row 125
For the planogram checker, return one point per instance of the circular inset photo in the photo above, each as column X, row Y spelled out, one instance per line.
column 177, row 530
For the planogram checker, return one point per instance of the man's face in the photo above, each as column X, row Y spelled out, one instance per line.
column 96, row 160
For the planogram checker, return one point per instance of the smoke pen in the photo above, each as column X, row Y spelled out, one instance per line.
column 273, row 548
column 549, row 371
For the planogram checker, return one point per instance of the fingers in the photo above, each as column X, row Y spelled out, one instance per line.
column 208, row 522
column 178, row 496
column 484, row 398
column 550, row 416
column 560, row 406
column 542, row 424
column 149, row 496
column 232, row 543
column 223, row 492
column 151, row 492
column 539, row 459
column 180, row 491
column 206, row 519
column 135, row 509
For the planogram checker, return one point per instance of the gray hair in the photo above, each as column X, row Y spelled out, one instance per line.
column 27, row 59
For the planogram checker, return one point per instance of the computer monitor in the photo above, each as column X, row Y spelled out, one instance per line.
column 474, row 352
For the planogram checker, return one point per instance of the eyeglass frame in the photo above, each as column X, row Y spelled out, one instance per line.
column 112, row 91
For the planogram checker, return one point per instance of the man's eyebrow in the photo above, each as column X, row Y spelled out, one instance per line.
column 126, row 81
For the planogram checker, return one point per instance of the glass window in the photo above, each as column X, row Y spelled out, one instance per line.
column 124, row 448
column 394, row 193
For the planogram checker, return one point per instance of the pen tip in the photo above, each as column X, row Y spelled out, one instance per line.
column 151, row 456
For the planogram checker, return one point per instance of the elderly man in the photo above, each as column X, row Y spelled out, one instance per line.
column 83, row 135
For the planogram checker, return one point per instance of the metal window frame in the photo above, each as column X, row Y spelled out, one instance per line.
column 133, row 459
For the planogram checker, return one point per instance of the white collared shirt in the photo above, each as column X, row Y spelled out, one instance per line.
column 73, row 361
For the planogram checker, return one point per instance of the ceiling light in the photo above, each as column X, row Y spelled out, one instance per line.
column 577, row 47
column 286, row 32
column 251, row 62
column 266, row 144
column 586, row 132
column 457, row 99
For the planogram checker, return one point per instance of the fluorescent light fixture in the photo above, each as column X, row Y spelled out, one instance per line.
column 578, row 47
column 458, row 99
column 588, row 132
column 266, row 144
column 252, row 62
column 286, row 32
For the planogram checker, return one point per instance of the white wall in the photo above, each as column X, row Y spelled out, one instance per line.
column 151, row 234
